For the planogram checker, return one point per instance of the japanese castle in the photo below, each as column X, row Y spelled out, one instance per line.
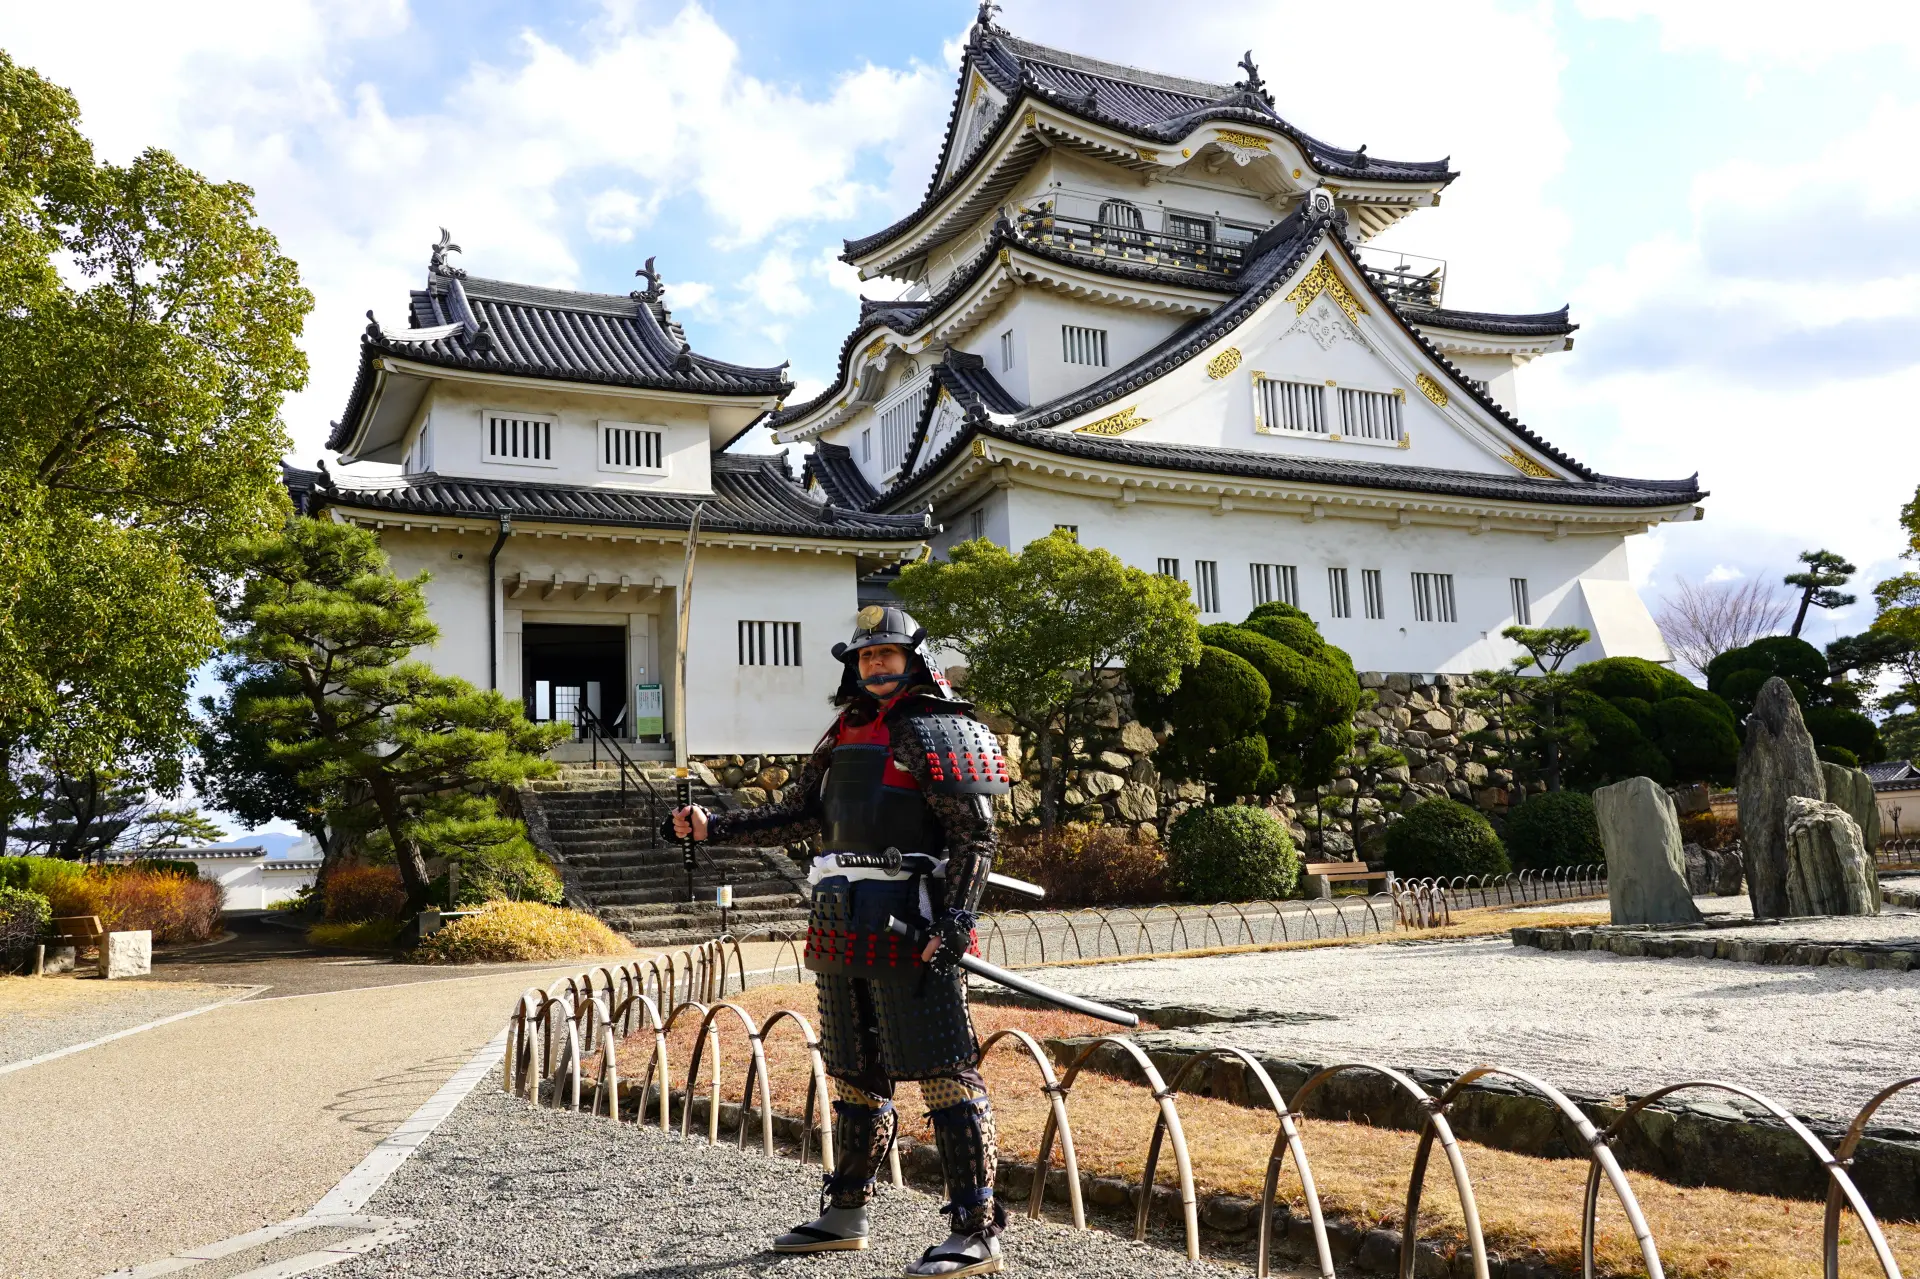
column 1135, row 306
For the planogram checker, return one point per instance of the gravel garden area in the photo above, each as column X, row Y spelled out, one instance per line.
column 1819, row 1040
column 39, row 1015
column 504, row 1189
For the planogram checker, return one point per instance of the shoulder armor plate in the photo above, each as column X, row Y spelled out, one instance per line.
column 963, row 756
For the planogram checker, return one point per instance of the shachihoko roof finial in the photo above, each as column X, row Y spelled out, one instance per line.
column 437, row 264
column 656, row 283
column 1253, row 83
column 985, row 17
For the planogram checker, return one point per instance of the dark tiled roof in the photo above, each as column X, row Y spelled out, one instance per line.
column 832, row 467
column 498, row 327
column 1893, row 773
column 973, row 388
column 1146, row 104
column 1542, row 324
column 874, row 317
column 752, row 493
column 1600, row 491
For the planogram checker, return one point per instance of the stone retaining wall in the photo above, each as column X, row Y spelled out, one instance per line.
column 1115, row 781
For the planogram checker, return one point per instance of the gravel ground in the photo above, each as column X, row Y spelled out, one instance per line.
column 1820, row 1040
column 45, row 1014
column 503, row 1189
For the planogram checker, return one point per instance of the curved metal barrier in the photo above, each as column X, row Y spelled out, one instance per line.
column 552, row 1033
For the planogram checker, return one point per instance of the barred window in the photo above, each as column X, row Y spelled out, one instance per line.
column 630, row 448
column 1292, row 406
column 1369, row 415
column 1206, row 585
column 1006, row 350
column 521, row 438
column 1071, row 530
column 1339, row 603
column 1371, row 594
column 1079, row 345
column 769, row 643
column 1170, row 568
column 1275, row 582
column 898, row 415
column 1433, row 597
column 866, row 444
column 1191, row 228
column 977, row 522
column 1522, row 606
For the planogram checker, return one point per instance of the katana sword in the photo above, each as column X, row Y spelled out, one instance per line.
column 1014, row 981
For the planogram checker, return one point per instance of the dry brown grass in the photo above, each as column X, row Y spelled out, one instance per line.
column 510, row 932
column 1484, row 922
column 1525, row 1203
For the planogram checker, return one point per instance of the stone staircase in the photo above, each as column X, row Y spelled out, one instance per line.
column 610, row 858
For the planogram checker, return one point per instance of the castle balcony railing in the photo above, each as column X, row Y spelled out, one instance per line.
column 1097, row 239
column 1407, row 279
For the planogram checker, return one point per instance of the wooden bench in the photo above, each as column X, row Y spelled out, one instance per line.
column 1322, row 876
column 79, row 931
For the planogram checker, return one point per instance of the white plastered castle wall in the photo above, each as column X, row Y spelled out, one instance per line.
column 1144, row 531
column 454, row 423
column 731, row 708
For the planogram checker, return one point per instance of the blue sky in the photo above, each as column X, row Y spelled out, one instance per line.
column 1723, row 190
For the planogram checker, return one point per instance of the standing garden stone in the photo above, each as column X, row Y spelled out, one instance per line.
column 1829, row 871
column 1646, row 872
column 1852, row 790
column 1776, row 763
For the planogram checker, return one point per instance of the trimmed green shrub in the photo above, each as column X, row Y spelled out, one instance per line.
column 1555, row 829
column 1231, row 853
column 1441, row 837
column 1217, row 707
column 166, row 866
column 23, row 921
column 1738, row 673
column 1315, row 694
column 1635, row 718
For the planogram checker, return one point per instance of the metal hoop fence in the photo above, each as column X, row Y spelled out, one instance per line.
column 551, row 1034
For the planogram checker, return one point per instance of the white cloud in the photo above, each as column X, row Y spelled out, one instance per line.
column 530, row 148
column 778, row 286
column 1724, row 573
column 1771, row 31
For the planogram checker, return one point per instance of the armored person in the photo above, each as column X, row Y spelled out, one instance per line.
column 899, row 795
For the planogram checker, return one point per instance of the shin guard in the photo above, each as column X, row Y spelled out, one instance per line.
column 862, row 1135
column 964, row 1134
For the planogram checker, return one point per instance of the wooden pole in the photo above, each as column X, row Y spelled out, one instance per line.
column 680, row 657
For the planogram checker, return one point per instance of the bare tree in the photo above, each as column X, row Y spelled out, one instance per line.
column 1702, row 620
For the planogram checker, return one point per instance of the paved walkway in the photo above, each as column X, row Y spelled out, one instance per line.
column 504, row 1190
column 230, row 1120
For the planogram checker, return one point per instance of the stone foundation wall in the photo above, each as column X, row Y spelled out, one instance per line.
column 1115, row 780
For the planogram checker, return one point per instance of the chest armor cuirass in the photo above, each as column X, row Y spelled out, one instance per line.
column 870, row 804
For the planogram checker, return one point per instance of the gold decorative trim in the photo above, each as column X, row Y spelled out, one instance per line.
column 1406, row 441
column 1147, row 153
column 1431, row 389
column 979, row 87
column 1323, row 279
column 1296, row 173
column 1030, row 119
column 1005, row 256
column 875, row 347
column 1224, row 363
column 1245, row 141
column 1527, row 466
column 1116, row 424
column 979, row 447
column 1186, row 153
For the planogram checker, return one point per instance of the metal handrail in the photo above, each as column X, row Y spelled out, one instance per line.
column 598, row 735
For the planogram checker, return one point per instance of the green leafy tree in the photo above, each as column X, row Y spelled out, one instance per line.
column 1216, row 713
column 148, row 334
column 1038, row 630
column 1643, row 720
column 1368, row 763
column 321, row 604
column 1831, row 707
column 1315, row 695
column 236, row 768
column 1528, row 725
column 1819, row 584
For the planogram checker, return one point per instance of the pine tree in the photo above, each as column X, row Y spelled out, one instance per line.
column 1818, row 585
column 322, row 605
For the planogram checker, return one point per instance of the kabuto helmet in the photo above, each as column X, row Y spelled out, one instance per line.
column 879, row 624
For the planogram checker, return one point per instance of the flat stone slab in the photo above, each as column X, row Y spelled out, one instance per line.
column 502, row 1189
column 1820, row 1041
column 1888, row 941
